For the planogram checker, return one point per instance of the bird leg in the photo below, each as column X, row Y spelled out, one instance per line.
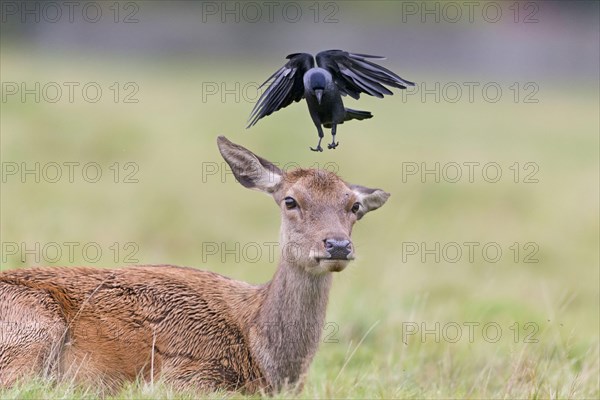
column 333, row 143
column 319, row 148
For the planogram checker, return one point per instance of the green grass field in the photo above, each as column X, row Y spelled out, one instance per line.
column 541, row 318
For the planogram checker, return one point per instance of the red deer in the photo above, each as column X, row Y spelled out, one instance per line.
column 189, row 327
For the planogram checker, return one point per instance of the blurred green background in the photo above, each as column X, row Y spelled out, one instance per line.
column 174, row 75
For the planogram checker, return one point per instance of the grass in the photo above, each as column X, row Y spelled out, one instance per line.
column 174, row 211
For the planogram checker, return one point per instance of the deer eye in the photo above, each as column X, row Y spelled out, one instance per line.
column 290, row 203
column 355, row 207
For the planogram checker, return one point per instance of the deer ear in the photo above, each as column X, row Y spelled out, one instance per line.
column 249, row 169
column 369, row 199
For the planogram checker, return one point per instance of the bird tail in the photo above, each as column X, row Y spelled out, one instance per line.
column 356, row 114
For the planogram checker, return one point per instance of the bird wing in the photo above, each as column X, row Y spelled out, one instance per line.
column 286, row 86
column 354, row 74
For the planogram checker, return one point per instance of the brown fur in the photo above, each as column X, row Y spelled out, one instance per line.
column 191, row 328
column 112, row 322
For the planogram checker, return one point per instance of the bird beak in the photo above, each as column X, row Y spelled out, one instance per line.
column 319, row 94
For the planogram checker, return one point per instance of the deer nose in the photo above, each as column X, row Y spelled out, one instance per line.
column 338, row 249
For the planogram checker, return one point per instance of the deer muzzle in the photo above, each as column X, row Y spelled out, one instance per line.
column 339, row 249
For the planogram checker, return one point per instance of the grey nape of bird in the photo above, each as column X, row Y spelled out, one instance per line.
column 338, row 73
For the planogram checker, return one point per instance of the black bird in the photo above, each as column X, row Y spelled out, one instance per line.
column 338, row 74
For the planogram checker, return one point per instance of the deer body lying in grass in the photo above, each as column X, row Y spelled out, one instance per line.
column 189, row 327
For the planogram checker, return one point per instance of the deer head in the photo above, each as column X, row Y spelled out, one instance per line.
column 318, row 209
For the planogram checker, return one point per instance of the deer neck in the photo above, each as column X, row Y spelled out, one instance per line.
column 290, row 322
